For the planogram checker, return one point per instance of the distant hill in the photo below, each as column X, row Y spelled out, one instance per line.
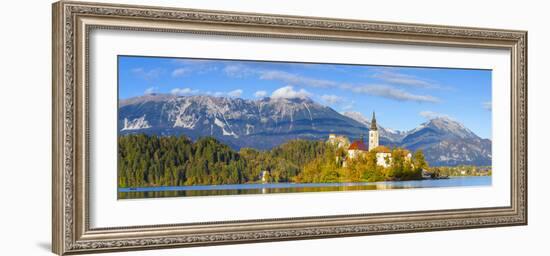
column 269, row 122
column 447, row 142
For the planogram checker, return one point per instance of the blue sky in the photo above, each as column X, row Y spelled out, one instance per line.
column 403, row 97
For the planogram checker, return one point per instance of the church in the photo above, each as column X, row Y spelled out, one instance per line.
column 358, row 148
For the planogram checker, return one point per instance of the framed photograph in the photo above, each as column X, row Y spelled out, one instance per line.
column 179, row 127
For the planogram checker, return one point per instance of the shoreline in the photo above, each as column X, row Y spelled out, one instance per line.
column 278, row 185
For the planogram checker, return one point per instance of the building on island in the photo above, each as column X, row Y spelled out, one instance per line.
column 373, row 133
column 383, row 156
column 358, row 148
column 337, row 140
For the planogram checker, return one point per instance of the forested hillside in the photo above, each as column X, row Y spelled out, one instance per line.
column 177, row 161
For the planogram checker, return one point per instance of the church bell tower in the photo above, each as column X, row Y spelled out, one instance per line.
column 373, row 133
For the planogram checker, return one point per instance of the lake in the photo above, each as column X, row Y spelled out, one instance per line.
column 271, row 188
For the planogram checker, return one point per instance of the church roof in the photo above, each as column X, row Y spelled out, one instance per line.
column 382, row 149
column 358, row 145
column 373, row 126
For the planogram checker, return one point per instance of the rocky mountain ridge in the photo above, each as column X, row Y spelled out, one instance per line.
column 268, row 122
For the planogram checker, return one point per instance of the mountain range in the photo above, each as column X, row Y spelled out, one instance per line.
column 269, row 122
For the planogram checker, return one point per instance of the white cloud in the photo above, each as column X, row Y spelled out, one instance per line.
column 295, row 79
column 332, row 99
column 404, row 79
column 235, row 93
column 198, row 66
column 288, row 92
column 393, row 93
column 183, row 91
column 385, row 91
column 238, row 70
column 488, row 105
column 147, row 74
column 150, row 90
column 179, row 72
column 431, row 115
column 349, row 106
column 260, row 94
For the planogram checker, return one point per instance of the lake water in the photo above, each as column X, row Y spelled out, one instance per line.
column 270, row 188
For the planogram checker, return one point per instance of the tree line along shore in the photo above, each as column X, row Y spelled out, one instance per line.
column 145, row 160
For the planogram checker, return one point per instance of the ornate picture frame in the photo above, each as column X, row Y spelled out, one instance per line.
column 72, row 24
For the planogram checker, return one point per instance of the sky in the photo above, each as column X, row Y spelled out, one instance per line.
column 402, row 97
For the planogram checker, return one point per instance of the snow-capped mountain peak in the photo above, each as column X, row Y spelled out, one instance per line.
column 392, row 135
column 267, row 122
column 451, row 126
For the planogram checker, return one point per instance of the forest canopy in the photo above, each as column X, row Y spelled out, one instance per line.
column 178, row 161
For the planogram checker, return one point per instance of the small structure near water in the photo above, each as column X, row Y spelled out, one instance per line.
column 264, row 176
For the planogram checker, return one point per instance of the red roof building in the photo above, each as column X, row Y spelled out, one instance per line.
column 358, row 145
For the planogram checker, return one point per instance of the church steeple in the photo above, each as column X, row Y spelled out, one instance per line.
column 373, row 133
column 373, row 126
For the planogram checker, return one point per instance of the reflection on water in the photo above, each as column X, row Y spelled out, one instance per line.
column 271, row 188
